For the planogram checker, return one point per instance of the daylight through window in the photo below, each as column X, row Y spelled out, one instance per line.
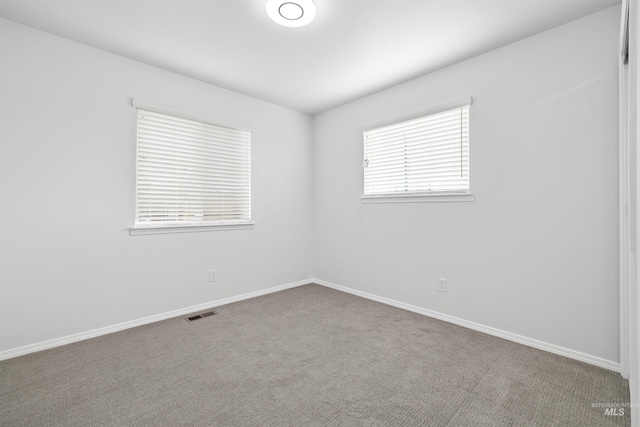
column 190, row 172
column 426, row 155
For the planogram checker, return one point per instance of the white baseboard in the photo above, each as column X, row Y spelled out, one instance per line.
column 57, row 342
column 551, row 348
column 32, row 348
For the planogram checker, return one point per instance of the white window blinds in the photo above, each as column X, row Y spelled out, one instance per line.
column 425, row 155
column 190, row 172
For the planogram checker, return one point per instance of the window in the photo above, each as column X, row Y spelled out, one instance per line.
column 427, row 156
column 190, row 173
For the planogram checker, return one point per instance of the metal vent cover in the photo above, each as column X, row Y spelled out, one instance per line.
column 199, row 316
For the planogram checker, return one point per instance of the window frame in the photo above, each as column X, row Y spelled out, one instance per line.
column 417, row 196
column 170, row 227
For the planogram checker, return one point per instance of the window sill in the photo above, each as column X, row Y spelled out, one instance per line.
column 420, row 198
column 192, row 228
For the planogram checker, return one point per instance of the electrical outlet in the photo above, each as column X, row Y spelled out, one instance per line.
column 442, row 284
column 213, row 275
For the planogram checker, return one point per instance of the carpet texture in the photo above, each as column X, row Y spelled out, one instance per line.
column 308, row 356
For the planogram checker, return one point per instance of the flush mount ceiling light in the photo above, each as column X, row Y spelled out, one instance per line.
column 291, row 13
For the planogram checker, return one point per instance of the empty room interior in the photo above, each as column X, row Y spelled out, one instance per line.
column 317, row 213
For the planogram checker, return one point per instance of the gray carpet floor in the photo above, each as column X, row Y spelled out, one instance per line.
column 308, row 356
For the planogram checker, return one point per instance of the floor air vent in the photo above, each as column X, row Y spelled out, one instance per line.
column 200, row 316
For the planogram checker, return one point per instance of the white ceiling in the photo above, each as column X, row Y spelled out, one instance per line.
column 352, row 49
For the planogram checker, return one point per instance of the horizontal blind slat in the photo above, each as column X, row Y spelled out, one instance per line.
column 452, row 139
column 209, row 162
column 422, row 132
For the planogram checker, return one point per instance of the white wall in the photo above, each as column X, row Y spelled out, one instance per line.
column 536, row 253
column 634, row 160
column 67, row 168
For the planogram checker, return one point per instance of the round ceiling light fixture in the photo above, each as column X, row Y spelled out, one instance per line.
column 291, row 13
